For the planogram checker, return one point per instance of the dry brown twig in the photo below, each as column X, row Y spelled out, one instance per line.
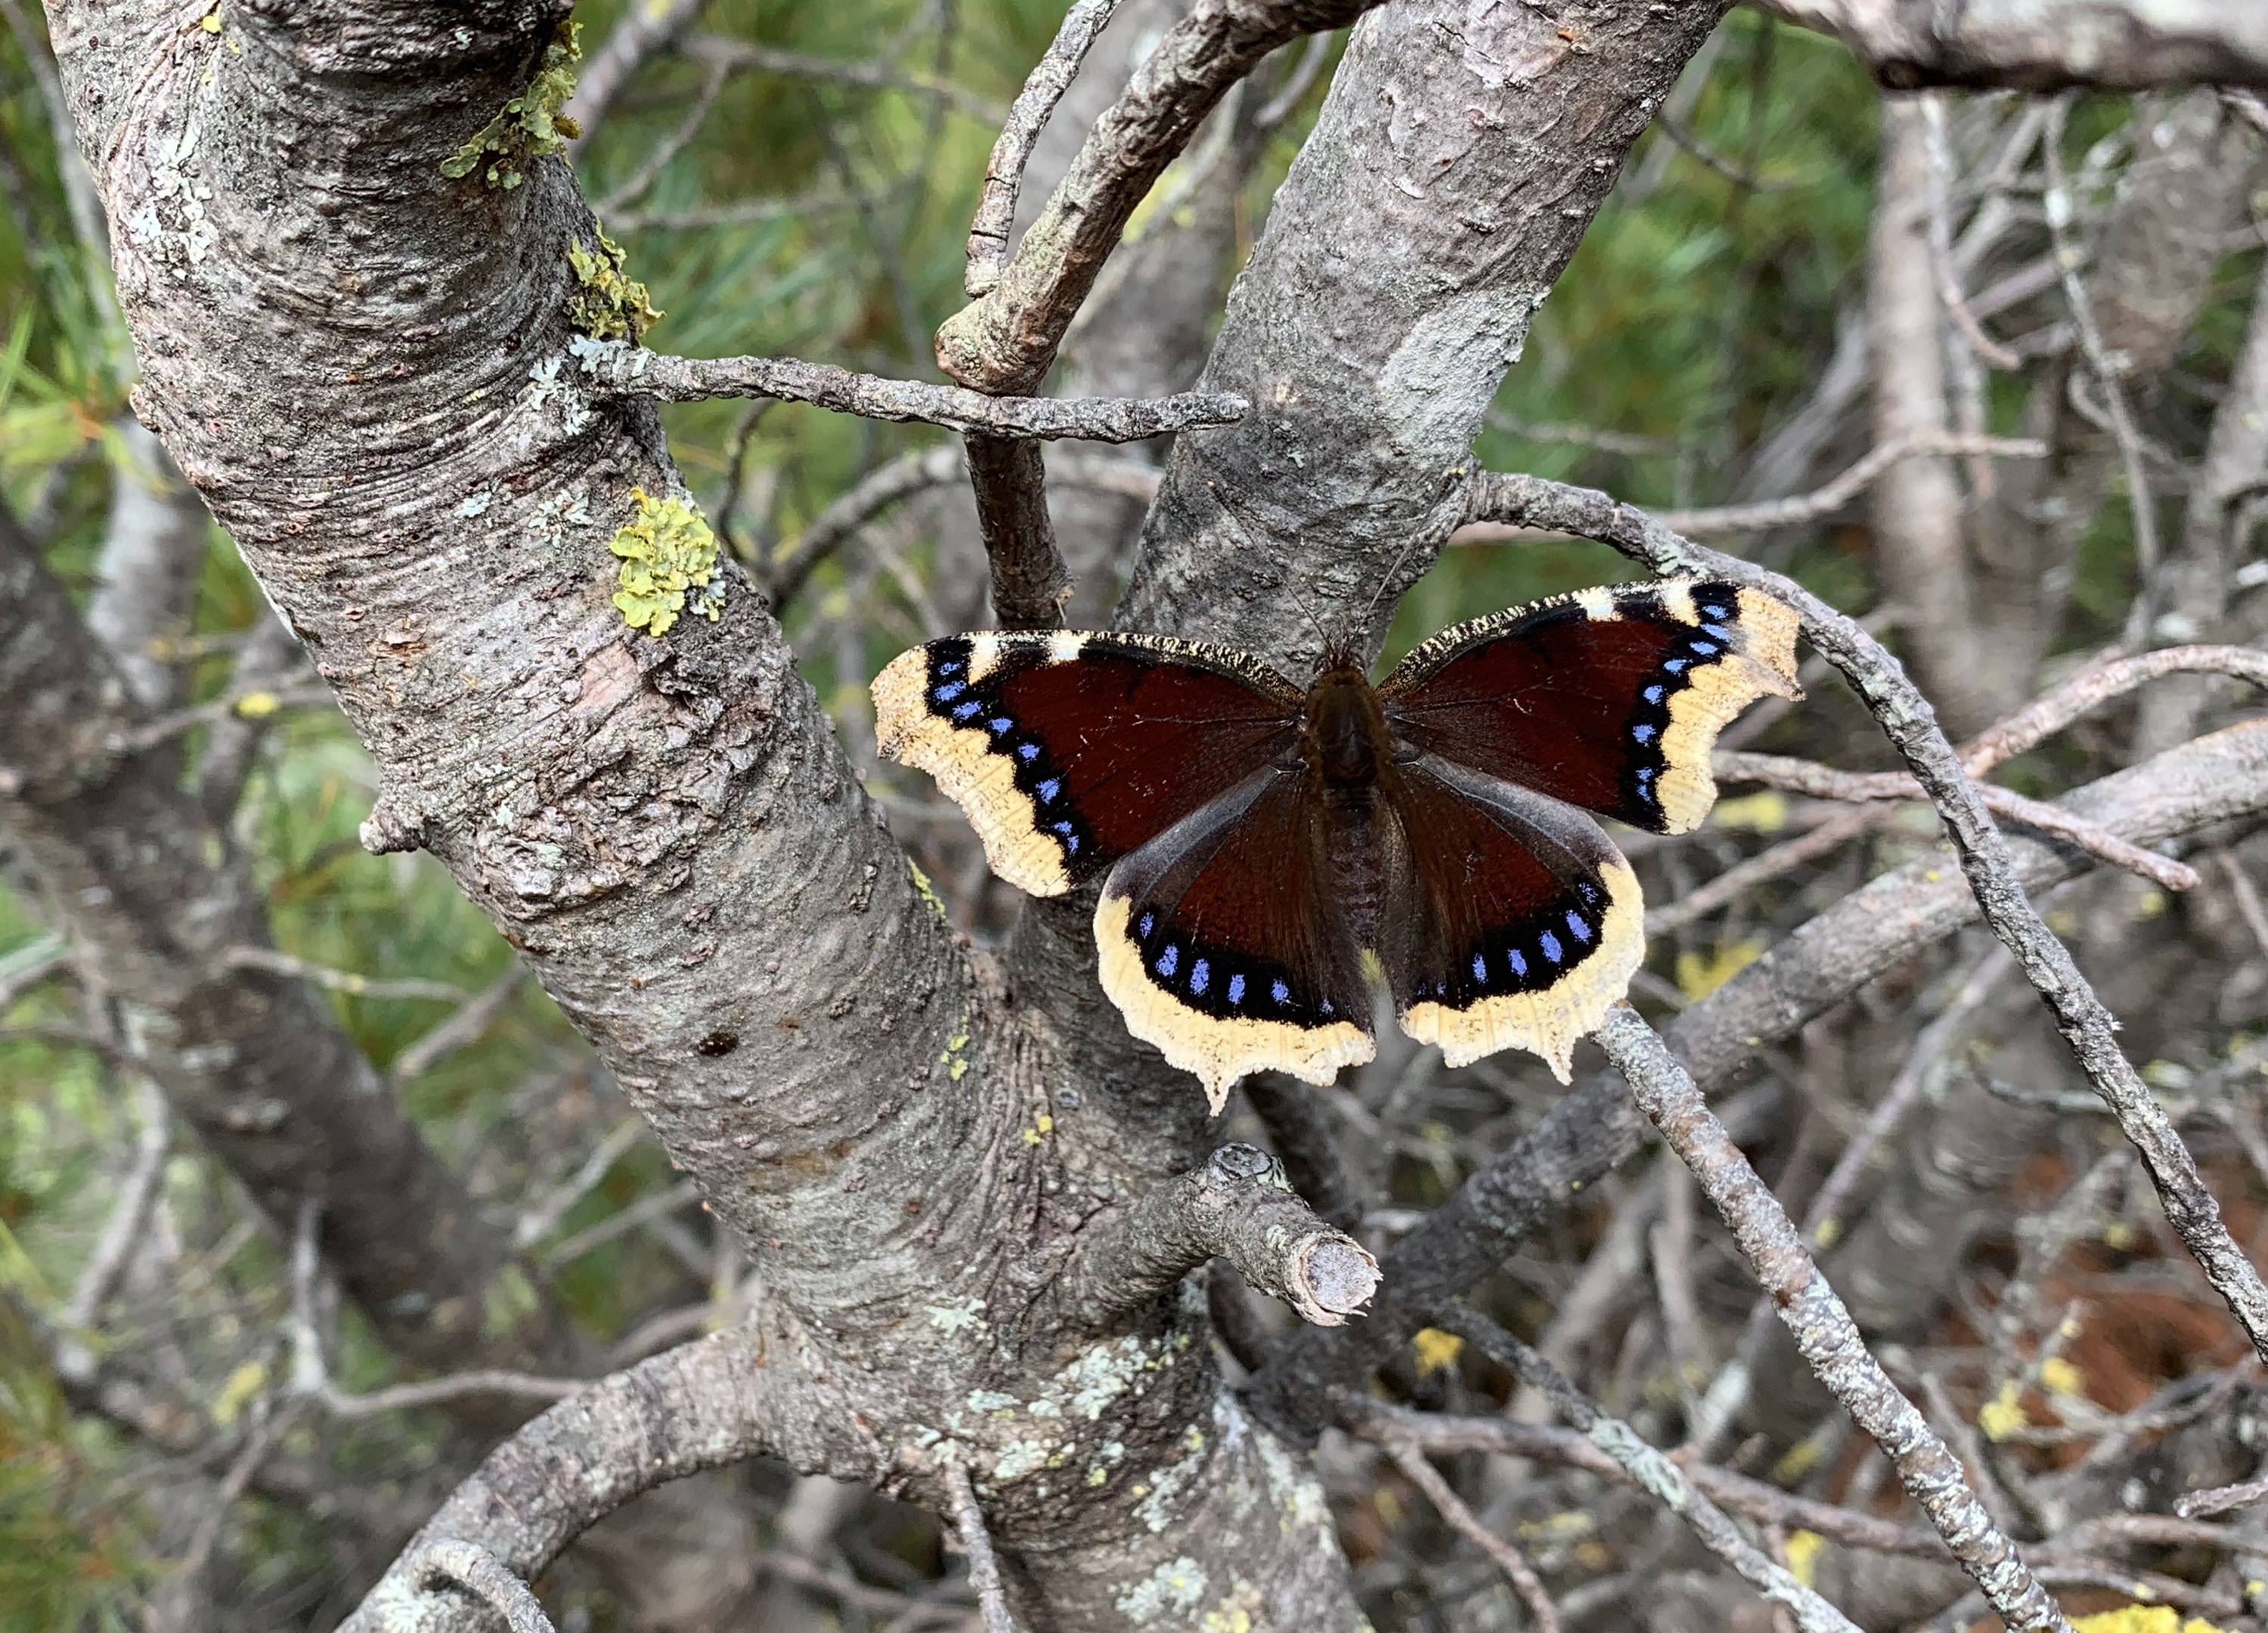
column 1461, row 1519
column 1650, row 1469
column 977, row 1542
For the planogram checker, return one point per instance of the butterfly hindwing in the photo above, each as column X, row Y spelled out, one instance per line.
column 1609, row 699
column 1223, row 940
column 1068, row 750
column 1511, row 920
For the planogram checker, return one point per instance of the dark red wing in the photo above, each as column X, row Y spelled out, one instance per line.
column 1067, row 750
column 1225, row 943
column 1511, row 920
column 1609, row 699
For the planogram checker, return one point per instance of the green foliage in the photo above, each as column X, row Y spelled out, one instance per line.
column 669, row 558
column 530, row 125
column 72, row 1555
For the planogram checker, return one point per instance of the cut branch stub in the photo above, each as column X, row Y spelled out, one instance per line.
column 1240, row 1207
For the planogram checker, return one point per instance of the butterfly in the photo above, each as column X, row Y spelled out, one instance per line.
column 1267, row 852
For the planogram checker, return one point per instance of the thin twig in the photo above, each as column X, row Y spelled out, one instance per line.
column 1004, row 172
column 983, row 1566
column 1822, row 1219
column 1770, row 514
column 624, row 371
column 868, row 76
column 1804, row 776
column 257, row 701
column 539, row 1221
column 2091, row 688
column 1005, row 340
column 477, row 1015
column 29, row 965
column 1785, row 857
column 469, row 1566
column 122, row 1229
column 1833, row 495
column 645, row 1211
column 1906, row 719
column 2220, row 1499
column 1280, row 104
column 1466, row 1524
column 311, row 1372
column 2060, row 205
column 1649, row 1468
column 341, row 980
column 1821, row 1325
column 645, row 29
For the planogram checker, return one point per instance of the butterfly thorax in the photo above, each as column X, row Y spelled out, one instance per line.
column 1342, row 736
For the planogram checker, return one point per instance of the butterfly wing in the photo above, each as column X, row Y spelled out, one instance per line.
column 1225, row 943
column 1067, row 750
column 1510, row 920
column 1609, row 699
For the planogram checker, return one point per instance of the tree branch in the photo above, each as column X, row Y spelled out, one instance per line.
column 1649, row 1468
column 1822, row 1327
column 2216, row 779
column 1004, row 171
column 1238, row 1207
column 977, row 1542
column 1005, row 342
column 621, row 370
column 473, row 1567
column 717, row 1400
column 2045, row 45
column 1906, row 719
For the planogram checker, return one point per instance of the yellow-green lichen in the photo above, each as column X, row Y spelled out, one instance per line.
column 612, row 305
column 668, row 558
column 531, row 124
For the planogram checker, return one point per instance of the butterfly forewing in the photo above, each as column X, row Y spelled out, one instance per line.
column 1224, row 943
column 1067, row 751
column 1609, row 699
column 1510, row 920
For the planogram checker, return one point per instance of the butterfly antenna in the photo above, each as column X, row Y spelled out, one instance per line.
column 1393, row 568
column 1325, row 647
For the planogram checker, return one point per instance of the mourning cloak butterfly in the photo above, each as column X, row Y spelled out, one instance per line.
column 1267, row 853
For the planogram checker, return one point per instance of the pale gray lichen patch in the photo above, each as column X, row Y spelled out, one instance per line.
column 1020, row 1458
column 957, row 1313
column 1177, row 1585
column 1453, row 358
column 1292, row 1490
column 991, row 1401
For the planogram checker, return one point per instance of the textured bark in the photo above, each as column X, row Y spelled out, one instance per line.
column 2045, row 45
column 1453, row 170
column 2152, row 276
column 362, row 366
column 1915, row 510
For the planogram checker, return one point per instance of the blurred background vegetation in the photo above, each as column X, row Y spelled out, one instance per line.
column 799, row 213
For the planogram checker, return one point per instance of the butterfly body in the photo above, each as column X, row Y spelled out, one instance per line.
column 1270, row 853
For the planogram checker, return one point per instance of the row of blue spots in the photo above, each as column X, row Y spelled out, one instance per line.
column 1069, row 835
column 1197, row 972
